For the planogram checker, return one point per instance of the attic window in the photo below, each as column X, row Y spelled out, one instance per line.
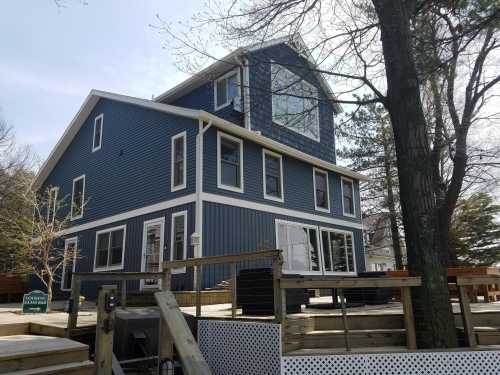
column 294, row 102
column 97, row 138
column 226, row 89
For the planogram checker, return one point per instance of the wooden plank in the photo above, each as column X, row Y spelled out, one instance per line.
column 358, row 282
column 166, row 281
column 197, row 270
column 117, row 368
column 409, row 320
column 340, row 292
column 467, row 316
column 75, row 297
column 111, row 276
column 478, row 280
column 277, row 271
column 233, row 290
column 123, row 299
column 193, row 362
column 103, row 338
column 221, row 259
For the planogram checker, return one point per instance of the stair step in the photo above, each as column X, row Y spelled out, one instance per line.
column 26, row 352
column 74, row 368
column 358, row 338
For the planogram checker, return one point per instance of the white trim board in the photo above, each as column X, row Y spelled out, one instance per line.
column 215, row 198
column 133, row 213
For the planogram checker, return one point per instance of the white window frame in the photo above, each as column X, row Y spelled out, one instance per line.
column 220, row 185
column 73, row 196
column 316, row 207
column 266, row 152
column 67, row 241
column 161, row 221
column 218, row 106
column 52, row 205
column 172, row 237
column 284, row 124
column 277, row 222
column 172, row 157
column 94, row 147
column 348, row 273
column 342, row 179
column 109, row 230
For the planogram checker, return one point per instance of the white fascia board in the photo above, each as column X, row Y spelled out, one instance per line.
column 277, row 146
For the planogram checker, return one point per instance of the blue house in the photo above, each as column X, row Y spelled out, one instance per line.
column 240, row 157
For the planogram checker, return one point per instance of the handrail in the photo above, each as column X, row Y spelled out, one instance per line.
column 193, row 362
column 477, row 279
column 340, row 283
column 221, row 259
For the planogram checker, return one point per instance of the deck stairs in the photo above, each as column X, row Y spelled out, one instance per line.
column 318, row 334
column 31, row 354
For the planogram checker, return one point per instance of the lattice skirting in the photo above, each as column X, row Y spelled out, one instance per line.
column 240, row 348
column 421, row 363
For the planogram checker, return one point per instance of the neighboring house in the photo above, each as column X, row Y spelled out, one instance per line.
column 222, row 160
column 379, row 250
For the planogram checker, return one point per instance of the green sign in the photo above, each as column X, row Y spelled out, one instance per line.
column 35, row 302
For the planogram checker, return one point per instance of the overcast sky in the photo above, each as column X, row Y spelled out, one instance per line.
column 50, row 58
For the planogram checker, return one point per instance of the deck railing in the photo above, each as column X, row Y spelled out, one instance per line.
column 462, row 283
column 232, row 259
column 340, row 283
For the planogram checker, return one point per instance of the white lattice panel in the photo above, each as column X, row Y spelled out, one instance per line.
column 422, row 363
column 240, row 348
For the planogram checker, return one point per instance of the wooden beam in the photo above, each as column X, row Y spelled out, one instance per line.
column 75, row 297
column 478, row 280
column 322, row 282
column 104, row 332
column 221, row 259
column 277, row 270
column 197, row 270
column 409, row 320
column 117, row 368
column 340, row 292
column 193, row 362
column 467, row 316
column 110, row 276
column 233, row 290
column 123, row 299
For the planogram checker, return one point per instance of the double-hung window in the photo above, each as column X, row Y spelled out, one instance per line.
column 294, row 102
column 229, row 162
column 52, row 204
column 97, row 138
column 77, row 197
column 178, row 162
column 179, row 238
column 321, row 190
column 348, row 197
column 272, row 166
column 226, row 89
column 338, row 251
column 110, row 247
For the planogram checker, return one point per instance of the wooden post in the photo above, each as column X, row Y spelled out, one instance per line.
column 278, row 313
column 165, row 341
column 467, row 316
column 75, row 297
column 344, row 320
column 411, row 338
column 104, row 332
column 233, row 290
column 166, row 281
column 197, row 270
column 123, row 299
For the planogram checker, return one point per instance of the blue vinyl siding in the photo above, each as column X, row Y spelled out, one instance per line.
column 203, row 98
column 229, row 230
column 297, row 180
column 261, row 102
column 133, row 248
column 132, row 169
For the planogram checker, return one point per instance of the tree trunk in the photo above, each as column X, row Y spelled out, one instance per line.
column 391, row 205
column 50, row 282
column 433, row 316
